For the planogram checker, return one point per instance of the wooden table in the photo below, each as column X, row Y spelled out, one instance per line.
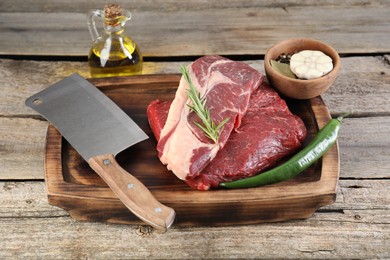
column 44, row 41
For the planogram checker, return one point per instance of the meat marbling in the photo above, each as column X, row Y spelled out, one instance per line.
column 227, row 85
column 267, row 133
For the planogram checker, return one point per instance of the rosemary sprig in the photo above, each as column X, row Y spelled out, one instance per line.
column 199, row 107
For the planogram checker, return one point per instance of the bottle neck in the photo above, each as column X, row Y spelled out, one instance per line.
column 113, row 30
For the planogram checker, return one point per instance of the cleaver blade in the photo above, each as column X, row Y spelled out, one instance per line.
column 98, row 130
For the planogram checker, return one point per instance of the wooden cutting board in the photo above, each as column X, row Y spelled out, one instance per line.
column 73, row 186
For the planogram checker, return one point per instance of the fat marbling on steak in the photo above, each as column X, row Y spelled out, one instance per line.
column 227, row 85
column 267, row 133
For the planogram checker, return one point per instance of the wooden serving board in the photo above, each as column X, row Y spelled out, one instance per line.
column 73, row 186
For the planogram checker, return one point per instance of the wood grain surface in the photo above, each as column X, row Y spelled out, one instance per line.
column 359, row 214
column 362, row 87
column 172, row 33
column 341, row 230
column 198, row 28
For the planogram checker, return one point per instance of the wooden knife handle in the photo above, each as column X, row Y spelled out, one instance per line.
column 137, row 198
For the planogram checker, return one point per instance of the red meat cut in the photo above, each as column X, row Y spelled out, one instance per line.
column 227, row 86
column 267, row 133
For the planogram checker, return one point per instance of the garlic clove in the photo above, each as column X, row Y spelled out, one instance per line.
column 309, row 64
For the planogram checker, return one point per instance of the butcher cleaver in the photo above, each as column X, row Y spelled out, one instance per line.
column 98, row 129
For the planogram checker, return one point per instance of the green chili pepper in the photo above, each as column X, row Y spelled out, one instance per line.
column 321, row 143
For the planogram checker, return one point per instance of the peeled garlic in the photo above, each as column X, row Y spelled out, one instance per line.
column 310, row 64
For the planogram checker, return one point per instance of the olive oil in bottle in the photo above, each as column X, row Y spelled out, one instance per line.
column 113, row 53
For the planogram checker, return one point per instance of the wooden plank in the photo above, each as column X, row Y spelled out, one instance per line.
column 66, row 239
column 22, row 144
column 26, row 199
column 361, row 80
column 170, row 5
column 363, row 194
column 362, row 87
column 20, row 79
column 214, row 30
column 341, row 232
column 365, row 148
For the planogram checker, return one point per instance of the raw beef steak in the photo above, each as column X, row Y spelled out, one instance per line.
column 268, row 132
column 227, row 85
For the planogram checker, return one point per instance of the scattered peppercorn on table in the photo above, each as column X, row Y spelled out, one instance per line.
column 45, row 42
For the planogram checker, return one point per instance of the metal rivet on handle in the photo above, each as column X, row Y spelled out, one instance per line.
column 106, row 162
column 130, row 185
column 158, row 210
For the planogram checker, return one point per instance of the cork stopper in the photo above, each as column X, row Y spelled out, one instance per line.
column 111, row 13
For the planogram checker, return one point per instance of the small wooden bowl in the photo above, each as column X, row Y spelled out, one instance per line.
column 300, row 88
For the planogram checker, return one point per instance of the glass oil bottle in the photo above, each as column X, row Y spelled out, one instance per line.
column 113, row 53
